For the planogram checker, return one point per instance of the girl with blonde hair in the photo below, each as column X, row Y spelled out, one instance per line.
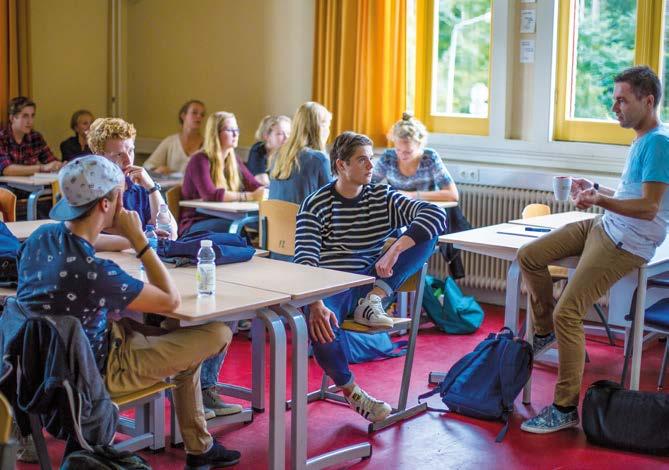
column 301, row 167
column 271, row 135
column 217, row 174
column 412, row 168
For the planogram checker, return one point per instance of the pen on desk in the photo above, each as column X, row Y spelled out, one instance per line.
column 537, row 229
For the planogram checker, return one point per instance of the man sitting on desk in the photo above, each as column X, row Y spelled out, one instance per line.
column 59, row 274
column 344, row 225
column 634, row 224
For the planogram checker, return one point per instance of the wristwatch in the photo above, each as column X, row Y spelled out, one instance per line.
column 156, row 187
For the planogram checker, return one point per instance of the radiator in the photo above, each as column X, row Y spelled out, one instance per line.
column 489, row 205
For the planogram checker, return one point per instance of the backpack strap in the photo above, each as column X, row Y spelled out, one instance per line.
column 432, row 392
column 502, row 433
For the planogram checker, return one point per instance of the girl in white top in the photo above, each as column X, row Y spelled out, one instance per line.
column 171, row 155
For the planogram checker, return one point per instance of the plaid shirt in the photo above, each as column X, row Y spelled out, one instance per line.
column 32, row 150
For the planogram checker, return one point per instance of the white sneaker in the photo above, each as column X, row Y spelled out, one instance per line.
column 370, row 312
column 367, row 406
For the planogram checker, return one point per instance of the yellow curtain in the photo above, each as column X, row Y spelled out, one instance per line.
column 360, row 64
column 14, row 52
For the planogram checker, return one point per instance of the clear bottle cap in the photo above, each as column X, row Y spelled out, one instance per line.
column 205, row 243
column 163, row 208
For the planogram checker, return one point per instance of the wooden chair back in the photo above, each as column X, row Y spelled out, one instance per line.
column 278, row 223
column 6, row 417
column 55, row 192
column 535, row 210
column 7, row 205
column 173, row 196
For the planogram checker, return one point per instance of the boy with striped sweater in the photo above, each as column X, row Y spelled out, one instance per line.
column 344, row 226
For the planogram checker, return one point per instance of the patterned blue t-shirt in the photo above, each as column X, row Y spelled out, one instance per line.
column 59, row 274
column 431, row 174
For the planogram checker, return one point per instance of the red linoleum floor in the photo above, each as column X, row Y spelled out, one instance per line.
column 431, row 440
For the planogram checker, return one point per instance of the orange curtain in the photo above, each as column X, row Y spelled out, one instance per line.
column 360, row 64
column 14, row 52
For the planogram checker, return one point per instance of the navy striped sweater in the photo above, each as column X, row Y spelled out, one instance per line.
column 348, row 234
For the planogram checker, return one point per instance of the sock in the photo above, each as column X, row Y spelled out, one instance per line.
column 564, row 409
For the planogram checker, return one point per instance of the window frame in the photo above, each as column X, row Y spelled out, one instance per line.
column 648, row 48
column 455, row 124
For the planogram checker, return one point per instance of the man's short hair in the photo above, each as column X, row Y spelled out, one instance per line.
column 344, row 147
column 104, row 129
column 17, row 104
column 643, row 82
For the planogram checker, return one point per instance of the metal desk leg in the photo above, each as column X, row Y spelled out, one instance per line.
column 238, row 224
column 512, row 296
column 638, row 328
column 31, row 208
column 298, row 433
column 277, row 391
column 258, row 367
column 529, row 337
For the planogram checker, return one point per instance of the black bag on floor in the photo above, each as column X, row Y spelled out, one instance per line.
column 104, row 458
column 626, row 419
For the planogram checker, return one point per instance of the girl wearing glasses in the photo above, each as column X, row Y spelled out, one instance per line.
column 302, row 166
column 217, row 174
column 271, row 135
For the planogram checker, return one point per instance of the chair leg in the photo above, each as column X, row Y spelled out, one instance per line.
column 40, row 443
column 629, row 340
column 600, row 313
column 663, row 368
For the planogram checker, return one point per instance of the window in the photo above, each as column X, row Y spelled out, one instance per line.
column 597, row 40
column 453, row 39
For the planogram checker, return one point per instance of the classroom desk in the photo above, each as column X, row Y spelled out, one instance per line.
column 489, row 241
column 240, row 213
column 25, row 228
column 305, row 285
column 443, row 204
column 555, row 220
column 37, row 186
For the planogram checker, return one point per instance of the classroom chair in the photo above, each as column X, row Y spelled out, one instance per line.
column 7, row 205
column 7, row 443
column 277, row 225
column 415, row 284
column 55, row 192
column 173, row 196
column 560, row 273
column 656, row 320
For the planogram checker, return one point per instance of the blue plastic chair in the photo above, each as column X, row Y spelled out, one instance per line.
column 656, row 319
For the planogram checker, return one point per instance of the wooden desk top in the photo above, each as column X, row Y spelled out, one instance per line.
column 444, row 204
column 555, row 220
column 128, row 261
column 512, row 236
column 42, row 179
column 229, row 299
column 25, row 228
column 298, row 281
column 235, row 207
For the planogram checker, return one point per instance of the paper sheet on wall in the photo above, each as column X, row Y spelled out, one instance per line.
column 527, row 51
column 528, row 21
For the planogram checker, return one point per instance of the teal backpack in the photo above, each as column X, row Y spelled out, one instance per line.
column 459, row 314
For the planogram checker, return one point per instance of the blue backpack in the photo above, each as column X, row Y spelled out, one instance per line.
column 485, row 382
column 459, row 314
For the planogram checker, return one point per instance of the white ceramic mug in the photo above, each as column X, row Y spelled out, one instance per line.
column 561, row 187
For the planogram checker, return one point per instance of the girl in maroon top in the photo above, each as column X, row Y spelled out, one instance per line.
column 216, row 174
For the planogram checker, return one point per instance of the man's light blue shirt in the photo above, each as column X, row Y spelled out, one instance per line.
column 648, row 161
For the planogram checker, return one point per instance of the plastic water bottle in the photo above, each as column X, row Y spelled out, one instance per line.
column 206, row 269
column 163, row 219
column 151, row 237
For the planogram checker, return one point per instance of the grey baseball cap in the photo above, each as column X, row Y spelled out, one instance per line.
column 82, row 183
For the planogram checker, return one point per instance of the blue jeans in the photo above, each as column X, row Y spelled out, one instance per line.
column 210, row 369
column 332, row 356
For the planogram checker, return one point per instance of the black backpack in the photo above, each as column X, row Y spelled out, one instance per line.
column 626, row 419
column 104, row 458
column 485, row 382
